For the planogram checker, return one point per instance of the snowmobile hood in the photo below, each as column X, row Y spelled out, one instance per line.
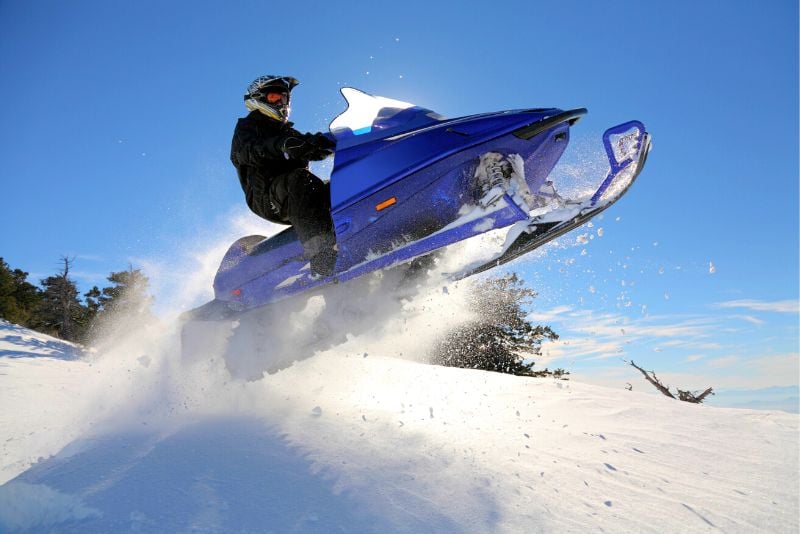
column 380, row 140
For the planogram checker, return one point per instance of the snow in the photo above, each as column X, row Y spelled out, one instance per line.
column 18, row 342
column 134, row 439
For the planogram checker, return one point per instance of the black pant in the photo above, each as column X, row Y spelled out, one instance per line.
column 304, row 201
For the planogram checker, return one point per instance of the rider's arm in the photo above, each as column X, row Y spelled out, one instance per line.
column 251, row 148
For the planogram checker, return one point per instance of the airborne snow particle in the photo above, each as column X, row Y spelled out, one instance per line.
column 711, row 268
column 599, row 232
column 661, row 270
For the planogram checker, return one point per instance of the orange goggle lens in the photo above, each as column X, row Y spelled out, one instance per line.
column 274, row 98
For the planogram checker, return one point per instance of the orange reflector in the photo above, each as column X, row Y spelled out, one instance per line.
column 386, row 203
column 236, row 292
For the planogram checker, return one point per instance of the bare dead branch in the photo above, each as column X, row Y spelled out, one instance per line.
column 686, row 396
column 655, row 381
column 709, row 391
column 689, row 396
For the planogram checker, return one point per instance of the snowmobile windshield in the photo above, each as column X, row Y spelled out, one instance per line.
column 369, row 117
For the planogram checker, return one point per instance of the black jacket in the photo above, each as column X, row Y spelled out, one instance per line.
column 256, row 153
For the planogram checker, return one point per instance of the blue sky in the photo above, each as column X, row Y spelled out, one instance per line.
column 117, row 117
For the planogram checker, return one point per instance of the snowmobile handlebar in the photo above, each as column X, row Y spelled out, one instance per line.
column 572, row 116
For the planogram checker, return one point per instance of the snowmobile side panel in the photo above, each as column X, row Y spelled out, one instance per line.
column 430, row 199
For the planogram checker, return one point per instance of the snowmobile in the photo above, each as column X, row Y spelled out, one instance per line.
column 407, row 182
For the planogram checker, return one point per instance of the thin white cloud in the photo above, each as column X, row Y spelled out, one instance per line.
column 750, row 319
column 703, row 346
column 589, row 348
column 590, row 337
column 780, row 306
column 720, row 363
column 549, row 315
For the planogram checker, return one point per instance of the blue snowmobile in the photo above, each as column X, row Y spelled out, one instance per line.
column 407, row 182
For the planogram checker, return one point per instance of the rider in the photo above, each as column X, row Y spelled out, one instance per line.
column 271, row 159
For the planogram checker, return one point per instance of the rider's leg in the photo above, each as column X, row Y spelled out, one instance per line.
column 306, row 202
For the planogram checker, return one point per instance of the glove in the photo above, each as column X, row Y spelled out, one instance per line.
column 307, row 147
column 322, row 141
column 322, row 144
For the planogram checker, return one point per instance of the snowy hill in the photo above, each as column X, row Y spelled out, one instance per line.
column 132, row 440
column 19, row 342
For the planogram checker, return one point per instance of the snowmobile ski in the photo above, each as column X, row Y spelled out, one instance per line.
column 542, row 229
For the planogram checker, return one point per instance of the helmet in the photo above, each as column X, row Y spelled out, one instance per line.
column 270, row 96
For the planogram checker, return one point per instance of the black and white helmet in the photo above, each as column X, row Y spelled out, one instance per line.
column 271, row 95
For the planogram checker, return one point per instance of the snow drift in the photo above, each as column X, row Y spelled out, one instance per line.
column 354, row 440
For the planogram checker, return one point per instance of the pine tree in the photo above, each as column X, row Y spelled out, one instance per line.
column 60, row 311
column 501, row 338
column 19, row 298
column 126, row 300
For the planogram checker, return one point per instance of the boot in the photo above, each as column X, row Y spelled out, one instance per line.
column 322, row 252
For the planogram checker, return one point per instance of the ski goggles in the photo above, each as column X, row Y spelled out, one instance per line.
column 277, row 96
